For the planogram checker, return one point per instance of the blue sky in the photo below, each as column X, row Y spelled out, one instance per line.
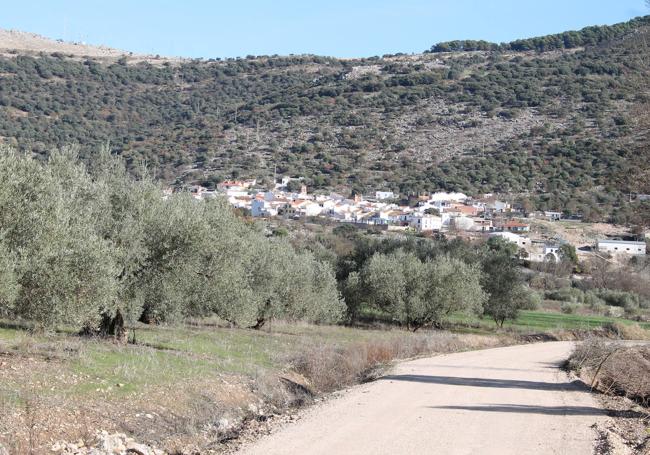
column 342, row 28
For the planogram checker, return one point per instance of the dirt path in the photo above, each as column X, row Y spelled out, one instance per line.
column 510, row 400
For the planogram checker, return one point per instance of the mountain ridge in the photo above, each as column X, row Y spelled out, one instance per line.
column 554, row 129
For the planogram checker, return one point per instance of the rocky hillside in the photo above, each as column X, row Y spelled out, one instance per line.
column 559, row 121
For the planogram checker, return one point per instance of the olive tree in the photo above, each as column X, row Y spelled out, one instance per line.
column 62, row 267
column 418, row 294
column 504, row 285
column 94, row 247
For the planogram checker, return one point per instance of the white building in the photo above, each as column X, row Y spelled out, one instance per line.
column 514, row 238
column 448, row 197
column 462, row 223
column 381, row 195
column 311, row 208
column 622, row 246
column 497, row 206
column 260, row 207
column 426, row 223
column 553, row 216
column 552, row 249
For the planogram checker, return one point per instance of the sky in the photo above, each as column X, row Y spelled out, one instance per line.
column 340, row 28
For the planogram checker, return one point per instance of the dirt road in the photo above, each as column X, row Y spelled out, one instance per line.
column 510, row 400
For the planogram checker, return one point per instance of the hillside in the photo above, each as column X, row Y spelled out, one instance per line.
column 559, row 126
column 15, row 41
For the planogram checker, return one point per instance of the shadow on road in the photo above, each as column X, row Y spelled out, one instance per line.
column 543, row 366
column 487, row 382
column 549, row 410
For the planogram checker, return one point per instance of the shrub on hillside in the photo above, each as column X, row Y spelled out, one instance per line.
column 566, row 294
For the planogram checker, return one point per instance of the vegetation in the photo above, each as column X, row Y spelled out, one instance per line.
column 199, row 383
column 558, row 131
column 90, row 247
column 416, row 293
column 588, row 36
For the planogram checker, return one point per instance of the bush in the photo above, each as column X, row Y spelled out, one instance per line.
column 569, row 308
column 629, row 301
column 566, row 294
column 532, row 301
column 613, row 368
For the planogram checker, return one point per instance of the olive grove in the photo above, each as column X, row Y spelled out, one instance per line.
column 82, row 246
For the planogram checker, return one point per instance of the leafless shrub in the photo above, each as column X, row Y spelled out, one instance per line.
column 331, row 367
column 627, row 331
column 614, row 368
column 279, row 393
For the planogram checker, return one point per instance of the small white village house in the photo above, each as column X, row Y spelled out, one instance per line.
column 381, row 195
column 426, row 223
column 622, row 246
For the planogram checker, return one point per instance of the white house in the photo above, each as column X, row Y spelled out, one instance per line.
column 311, row 208
column 426, row 223
column 260, row 207
column 551, row 249
column 462, row 223
column 622, row 246
column 497, row 206
column 448, row 197
column 381, row 195
column 514, row 238
column 553, row 216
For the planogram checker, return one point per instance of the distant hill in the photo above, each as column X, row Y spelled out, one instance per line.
column 23, row 42
column 588, row 36
column 15, row 42
column 563, row 128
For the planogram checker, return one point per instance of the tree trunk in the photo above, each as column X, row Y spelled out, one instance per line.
column 261, row 320
column 117, row 328
column 259, row 324
column 109, row 326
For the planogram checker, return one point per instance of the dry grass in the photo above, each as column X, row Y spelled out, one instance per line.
column 614, row 368
column 330, row 367
column 627, row 331
column 190, row 387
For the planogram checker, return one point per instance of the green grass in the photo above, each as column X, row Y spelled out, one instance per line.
column 169, row 354
column 546, row 320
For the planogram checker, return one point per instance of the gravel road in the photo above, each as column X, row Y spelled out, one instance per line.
column 512, row 400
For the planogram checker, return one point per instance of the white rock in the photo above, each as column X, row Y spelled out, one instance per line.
column 223, row 423
column 139, row 449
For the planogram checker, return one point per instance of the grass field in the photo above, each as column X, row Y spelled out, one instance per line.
column 548, row 321
column 184, row 378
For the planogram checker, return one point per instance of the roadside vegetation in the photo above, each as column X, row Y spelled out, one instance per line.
column 97, row 249
column 620, row 373
column 190, row 387
column 184, row 324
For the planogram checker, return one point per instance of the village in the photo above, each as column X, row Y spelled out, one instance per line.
column 454, row 214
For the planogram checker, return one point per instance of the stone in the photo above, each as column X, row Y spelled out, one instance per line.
column 137, row 449
column 223, row 423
